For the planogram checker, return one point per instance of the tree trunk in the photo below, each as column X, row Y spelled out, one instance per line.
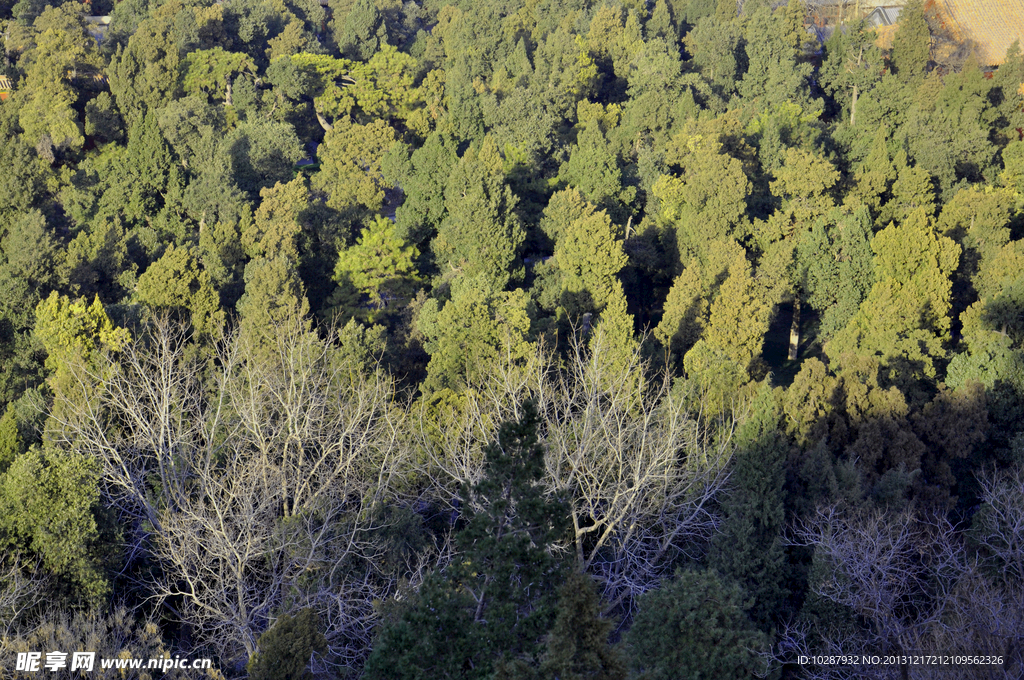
column 794, row 331
column 227, row 93
column 853, row 107
column 323, row 122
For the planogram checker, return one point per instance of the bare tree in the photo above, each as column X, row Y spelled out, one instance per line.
column 20, row 590
column 917, row 586
column 638, row 465
column 638, row 462
column 251, row 476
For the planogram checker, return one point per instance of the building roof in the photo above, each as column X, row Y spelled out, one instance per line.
column 5, row 84
column 883, row 16
column 991, row 25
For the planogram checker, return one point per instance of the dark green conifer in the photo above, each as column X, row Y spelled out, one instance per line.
column 695, row 626
column 749, row 549
column 287, row 647
column 911, row 45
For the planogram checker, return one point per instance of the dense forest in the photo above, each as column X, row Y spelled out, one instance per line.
column 510, row 339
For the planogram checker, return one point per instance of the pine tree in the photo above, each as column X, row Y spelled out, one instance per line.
column 351, row 172
column 725, row 12
column 904, row 319
column 510, row 528
column 740, row 315
column 911, row 45
column 749, row 548
column 380, row 266
column 479, row 613
column 694, row 626
column 176, row 282
column 286, row 648
column 594, row 168
column 364, row 31
column 467, row 334
column 481, row 234
column 662, row 24
column 11, row 444
column 577, row 647
column 589, row 256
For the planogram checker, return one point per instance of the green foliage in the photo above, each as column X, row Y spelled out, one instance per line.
column 470, row 332
column 350, row 171
column 694, row 626
column 749, row 549
column 259, row 155
column 594, row 169
column 73, row 328
column 175, row 282
column 286, row 648
column 707, row 202
column 273, row 296
column 48, row 500
column 911, row 45
column 11, row 444
column 364, row 31
column 834, row 261
column 511, row 527
column 589, row 256
column 461, row 623
column 481, row 235
column 904, row 318
column 577, row 646
column 379, row 266
column 212, row 72
column 539, row 168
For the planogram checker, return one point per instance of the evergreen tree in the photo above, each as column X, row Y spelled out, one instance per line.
column 594, row 169
column 911, row 45
column 694, row 626
column 749, row 548
column 834, row 266
column 430, row 166
column 286, row 648
column 577, row 647
column 429, row 635
column 904, row 319
column 740, row 314
column 773, row 74
column 851, row 66
column 708, row 202
column 379, row 266
column 175, row 282
column 273, row 297
column 506, row 542
column 715, row 50
column 471, row 331
column 481, row 234
column 725, row 12
column 589, row 256
column 662, row 24
column 364, row 31
column 351, row 158
column 11, row 444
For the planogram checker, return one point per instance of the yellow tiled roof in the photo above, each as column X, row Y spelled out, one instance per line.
column 992, row 25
